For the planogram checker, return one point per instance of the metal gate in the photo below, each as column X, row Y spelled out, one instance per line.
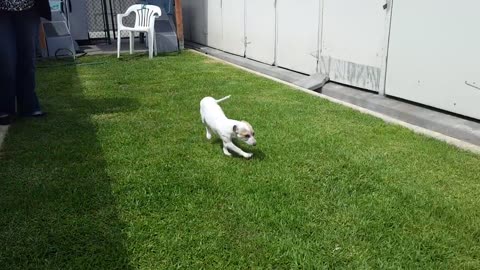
column 102, row 18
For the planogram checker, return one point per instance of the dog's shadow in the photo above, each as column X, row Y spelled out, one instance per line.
column 257, row 153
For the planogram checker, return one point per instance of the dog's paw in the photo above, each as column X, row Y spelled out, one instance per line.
column 209, row 136
column 248, row 155
column 225, row 151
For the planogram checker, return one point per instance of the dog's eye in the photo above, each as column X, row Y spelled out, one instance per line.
column 247, row 136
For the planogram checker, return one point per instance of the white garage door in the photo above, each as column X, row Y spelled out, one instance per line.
column 233, row 20
column 214, row 23
column 297, row 34
column 354, row 43
column 434, row 55
column 260, row 30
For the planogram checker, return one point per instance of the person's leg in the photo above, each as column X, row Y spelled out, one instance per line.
column 7, row 66
column 26, row 26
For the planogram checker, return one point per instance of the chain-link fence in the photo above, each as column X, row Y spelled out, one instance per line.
column 102, row 16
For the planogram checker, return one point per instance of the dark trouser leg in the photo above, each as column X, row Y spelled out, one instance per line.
column 26, row 28
column 8, row 59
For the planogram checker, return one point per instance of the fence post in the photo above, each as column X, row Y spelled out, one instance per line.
column 105, row 18
column 179, row 20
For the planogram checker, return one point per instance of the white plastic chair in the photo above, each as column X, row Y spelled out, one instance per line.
column 145, row 16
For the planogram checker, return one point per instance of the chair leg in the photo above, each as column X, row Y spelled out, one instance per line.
column 119, row 39
column 150, row 44
column 155, row 48
column 131, row 42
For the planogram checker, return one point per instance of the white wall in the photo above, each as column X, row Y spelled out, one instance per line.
column 434, row 53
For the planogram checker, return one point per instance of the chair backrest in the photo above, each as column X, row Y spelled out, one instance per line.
column 144, row 14
column 167, row 5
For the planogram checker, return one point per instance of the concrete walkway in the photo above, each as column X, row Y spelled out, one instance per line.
column 456, row 130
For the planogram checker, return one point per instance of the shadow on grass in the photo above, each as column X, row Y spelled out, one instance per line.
column 57, row 210
column 125, row 57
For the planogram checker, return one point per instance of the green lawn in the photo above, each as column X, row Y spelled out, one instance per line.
column 120, row 176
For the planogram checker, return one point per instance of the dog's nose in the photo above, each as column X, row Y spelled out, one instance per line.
column 255, row 143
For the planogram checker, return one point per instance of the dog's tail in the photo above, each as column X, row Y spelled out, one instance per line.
column 222, row 99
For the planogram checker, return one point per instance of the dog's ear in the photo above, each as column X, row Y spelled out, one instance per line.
column 235, row 129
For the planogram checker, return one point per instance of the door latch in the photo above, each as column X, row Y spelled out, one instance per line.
column 474, row 85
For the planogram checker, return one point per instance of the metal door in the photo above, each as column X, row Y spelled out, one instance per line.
column 353, row 43
column 434, row 56
column 297, row 34
column 260, row 19
column 233, row 21
column 214, row 30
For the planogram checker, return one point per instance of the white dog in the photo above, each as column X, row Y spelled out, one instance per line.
column 227, row 129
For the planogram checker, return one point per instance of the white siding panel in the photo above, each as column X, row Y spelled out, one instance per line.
column 260, row 30
column 297, row 34
column 353, row 41
column 434, row 55
column 213, row 27
column 233, row 24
